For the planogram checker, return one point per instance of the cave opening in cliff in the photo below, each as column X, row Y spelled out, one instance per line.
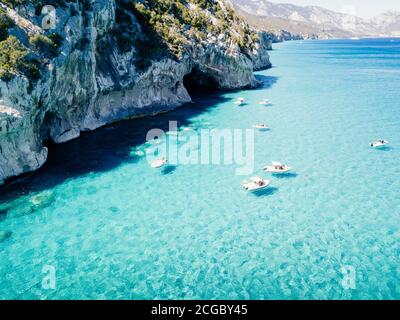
column 197, row 82
column 45, row 128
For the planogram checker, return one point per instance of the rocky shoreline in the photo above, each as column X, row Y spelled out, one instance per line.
column 94, row 82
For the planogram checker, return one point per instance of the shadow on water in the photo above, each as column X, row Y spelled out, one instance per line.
column 3, row 214
column 5, row 235
column 267, row 82
column 286, row 175
column 168, row 169
column 265, row 192
column 385, row 148
column 107, row 148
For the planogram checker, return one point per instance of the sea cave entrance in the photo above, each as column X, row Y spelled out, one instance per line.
column 198, row 82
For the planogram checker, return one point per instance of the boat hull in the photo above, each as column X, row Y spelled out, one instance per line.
column 275, row 171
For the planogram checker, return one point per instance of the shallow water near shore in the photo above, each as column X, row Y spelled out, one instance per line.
column 113, row 228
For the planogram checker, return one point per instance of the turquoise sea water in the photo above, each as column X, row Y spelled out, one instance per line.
column 114, row 228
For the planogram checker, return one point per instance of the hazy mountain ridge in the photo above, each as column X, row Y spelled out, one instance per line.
column 282, row 29
column 314, row 21
column 388, row 22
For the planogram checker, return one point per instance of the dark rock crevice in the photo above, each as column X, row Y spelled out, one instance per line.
column 197, row 82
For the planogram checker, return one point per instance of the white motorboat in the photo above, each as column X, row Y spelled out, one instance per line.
column 158, row 163
column 239, row 101
column 265, row 102
column 173, row 133
column 261, row 127
column 277, row 167
column 138, row 153
column 379, row 143
column 256, row 183
column 155, row 141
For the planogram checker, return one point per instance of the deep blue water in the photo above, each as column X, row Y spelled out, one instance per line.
column 114, row 228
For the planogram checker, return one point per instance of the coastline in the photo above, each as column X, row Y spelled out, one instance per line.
column 95, row 79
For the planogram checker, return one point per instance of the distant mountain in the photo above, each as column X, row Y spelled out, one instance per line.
column 388, row 23
column 280, row 29
column 313, row 21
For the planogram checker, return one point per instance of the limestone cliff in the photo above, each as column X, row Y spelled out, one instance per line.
column 106, row 68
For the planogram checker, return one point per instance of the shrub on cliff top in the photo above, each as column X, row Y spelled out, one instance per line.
column 167, row 21
column 179, row 23
column 14, row 60
column 5, row 24
column 45, row 45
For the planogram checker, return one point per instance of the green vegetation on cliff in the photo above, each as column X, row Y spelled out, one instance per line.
column 179, row 23
column 168, row 28
column 5, row 24
column 46, row 46
column 14, row 59
column 17, row 59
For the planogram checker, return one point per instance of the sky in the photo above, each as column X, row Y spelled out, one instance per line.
column 361, row 8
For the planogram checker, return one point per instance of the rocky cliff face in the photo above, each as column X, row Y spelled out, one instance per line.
column 97, row 79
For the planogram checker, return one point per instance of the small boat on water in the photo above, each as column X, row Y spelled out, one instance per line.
column 239, row 101
column 155, row 141
column 261, row 127
column 173, row 133
column 379, row 143
column 158, row 163
column 265, row 102
column 277, row 168
column 255, row 184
